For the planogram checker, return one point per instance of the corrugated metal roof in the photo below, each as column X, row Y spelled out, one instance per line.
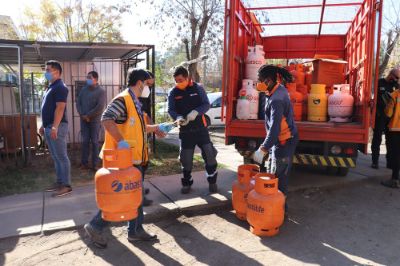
column 280, row 18
column 39, row 52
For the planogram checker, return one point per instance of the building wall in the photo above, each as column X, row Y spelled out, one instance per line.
column 74, row 73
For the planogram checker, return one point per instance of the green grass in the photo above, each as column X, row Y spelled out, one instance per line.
column 17, row 180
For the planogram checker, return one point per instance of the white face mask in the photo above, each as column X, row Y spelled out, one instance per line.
column 145, row 92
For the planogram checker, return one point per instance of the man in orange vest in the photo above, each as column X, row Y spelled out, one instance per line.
column 125, row 128
column 392, row 112
column 282, row 136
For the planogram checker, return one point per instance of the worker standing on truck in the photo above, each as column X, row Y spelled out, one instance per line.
column 282, row 137
column 187, row 104
column 385, row 87
column 392, row 112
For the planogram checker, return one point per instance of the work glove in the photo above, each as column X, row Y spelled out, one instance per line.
column 123, row 145
column 192, row 115
column 259, row 156
column 179, row 121
column 166, row 127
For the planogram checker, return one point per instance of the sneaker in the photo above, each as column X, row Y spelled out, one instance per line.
column 146, row 202
column 95, row 236
column 185, row 189
column 392, row 183
column 142, row 235
column 53, row 187
column 374, row 165
column 213, row 188
column 62, row 191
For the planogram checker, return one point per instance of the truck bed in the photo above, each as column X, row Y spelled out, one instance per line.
column 313, row 131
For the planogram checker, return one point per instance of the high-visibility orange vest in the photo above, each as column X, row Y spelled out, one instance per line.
column 133, row 131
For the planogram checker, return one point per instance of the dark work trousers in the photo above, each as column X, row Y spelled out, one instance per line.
column 90, row 134
column 189, row 140
column 381, row 123
column 280, row 165
column 394, row 142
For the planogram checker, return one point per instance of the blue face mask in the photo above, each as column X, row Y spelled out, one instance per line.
column 48, row 76
column 89, row 82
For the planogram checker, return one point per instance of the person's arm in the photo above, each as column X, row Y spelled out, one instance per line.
column 275, row 128
column 61, row 101
column 98, row 109
column 205, row 103
column 115, row 109
column 171, row 106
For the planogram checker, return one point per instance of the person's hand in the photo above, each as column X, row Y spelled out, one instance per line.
column 53, row 133
column 180, row 121
column 123, row 145
column 86, row 118
column 259, row 155
column 41, row 130
column 192, row 115
column 166, row 127
column 160, row 134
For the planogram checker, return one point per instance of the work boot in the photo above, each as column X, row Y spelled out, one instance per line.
column 53, row 187
column 95, row 236
column 141, row 235
column 62, row 191
column 213, row 188
column 392, row 183
column 375, row 165
column 185, row 189
column 146, row 202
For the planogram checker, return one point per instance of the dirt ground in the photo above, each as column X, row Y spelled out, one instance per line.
column 352, row 225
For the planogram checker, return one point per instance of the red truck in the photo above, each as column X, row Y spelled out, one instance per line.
column 349, row 30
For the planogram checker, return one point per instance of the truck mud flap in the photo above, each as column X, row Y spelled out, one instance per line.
column 319, row 160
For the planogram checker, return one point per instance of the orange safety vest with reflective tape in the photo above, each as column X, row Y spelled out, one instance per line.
column 392, row 110
column 133, row 131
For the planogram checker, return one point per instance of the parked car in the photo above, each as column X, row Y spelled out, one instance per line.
column 214, row 113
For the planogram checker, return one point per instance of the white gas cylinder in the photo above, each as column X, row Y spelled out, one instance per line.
column 251, row 95
column 255, row 59
column 340, row 105
column 242, row 106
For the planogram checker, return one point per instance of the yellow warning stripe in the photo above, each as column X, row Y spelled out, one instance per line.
column 319, row 160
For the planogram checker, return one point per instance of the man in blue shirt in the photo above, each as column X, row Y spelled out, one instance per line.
column 187, row 104
column 90, row 105
column 282, row 135
column 55, row 127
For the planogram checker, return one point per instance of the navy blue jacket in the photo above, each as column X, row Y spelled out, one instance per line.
column 182, row 102
column 277, row 106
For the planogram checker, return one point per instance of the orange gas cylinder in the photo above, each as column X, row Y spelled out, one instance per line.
column 297, row 101
column 118, row 186
column 265, row 206
column 308, row 80
column 241, row 187
column 300, row 79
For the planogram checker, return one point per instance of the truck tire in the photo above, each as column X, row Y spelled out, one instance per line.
column 338, row 171
column 342, row 171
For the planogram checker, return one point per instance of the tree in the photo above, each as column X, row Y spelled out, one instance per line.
column 391, row 21
column 74, row 22
column 197, row 24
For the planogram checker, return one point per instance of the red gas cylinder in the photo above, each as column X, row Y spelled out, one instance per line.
column 300, row 80
column 297, row 101
column 241, row 187
column 265, row 206
column 118, row 186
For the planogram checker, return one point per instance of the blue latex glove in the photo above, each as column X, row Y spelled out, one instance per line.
column 166, row 127
column 123, row 145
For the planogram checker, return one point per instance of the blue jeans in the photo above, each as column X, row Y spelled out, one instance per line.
column 58, row 151
column 90, row 133
column 134, row 226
